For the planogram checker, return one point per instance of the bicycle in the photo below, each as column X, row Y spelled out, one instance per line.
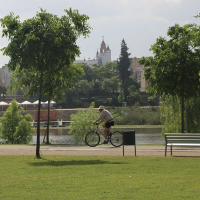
column 92, row 138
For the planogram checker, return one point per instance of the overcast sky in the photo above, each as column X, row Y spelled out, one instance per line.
column 139, row 22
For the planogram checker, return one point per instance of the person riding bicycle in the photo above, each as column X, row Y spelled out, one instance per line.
column 105, row 116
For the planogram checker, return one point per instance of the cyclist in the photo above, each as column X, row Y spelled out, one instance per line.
column 106, row 117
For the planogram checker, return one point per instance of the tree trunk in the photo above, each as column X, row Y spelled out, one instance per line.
column 49, row 98
column 182, row 114
column 38, row 120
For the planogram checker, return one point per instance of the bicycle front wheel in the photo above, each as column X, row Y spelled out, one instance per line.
column 92, row 139
column 116, row 139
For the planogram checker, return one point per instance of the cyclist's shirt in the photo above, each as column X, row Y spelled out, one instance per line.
column 105, row 116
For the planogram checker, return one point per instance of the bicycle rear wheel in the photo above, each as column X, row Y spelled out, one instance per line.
column 92, row 139
column 116, row 139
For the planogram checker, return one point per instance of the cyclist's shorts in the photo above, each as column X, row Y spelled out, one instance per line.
column 109, row 124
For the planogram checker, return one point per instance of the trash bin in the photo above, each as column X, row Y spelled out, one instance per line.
column 129, row 139
column 124, row 104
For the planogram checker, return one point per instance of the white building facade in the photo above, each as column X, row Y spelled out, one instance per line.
column 102, row 57
column 5, row 76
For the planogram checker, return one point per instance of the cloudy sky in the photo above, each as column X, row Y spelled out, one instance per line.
column 139, row 22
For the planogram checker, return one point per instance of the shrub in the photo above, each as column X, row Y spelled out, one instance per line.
column 16, row 128
column 136, row 115
column 82, row 122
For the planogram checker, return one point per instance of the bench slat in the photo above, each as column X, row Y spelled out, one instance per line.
column 174, row 139
column 183, row 141
column 183, row 144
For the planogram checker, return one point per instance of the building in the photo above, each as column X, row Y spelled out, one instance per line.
column 5, row 76
column 102, row 57
column 138, row 73
column 88, row 62
column 136, row 68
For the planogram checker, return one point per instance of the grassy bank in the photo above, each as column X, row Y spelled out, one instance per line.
column 82, row 177
column 116, row 126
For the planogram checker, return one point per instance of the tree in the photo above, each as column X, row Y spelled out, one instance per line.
column 133, row 96
column 110, row 85
column 107, row 71
column 85, row 87
column 121, row 97
column 88, row 73
column 127, row 85
column 3, row 90
column 152, row 100
column 174, row 69
column 124, row 62
column 44, row 44
column 15, row 127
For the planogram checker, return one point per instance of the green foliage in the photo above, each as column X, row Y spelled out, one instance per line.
column 133, row 96
column 42, row 50
column 136, row 115
column 121, row 97
column 124, row 62
column 110, row 85
column 174, row 69
column 152, row 100
column 16, row 128
column 175, row 66
column 85, row 87
column 130, row 88
column 171, row 115
column 82, row 123
column 98, row 80
column 3, row 90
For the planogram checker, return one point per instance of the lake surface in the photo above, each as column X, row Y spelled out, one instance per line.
column 150, row 138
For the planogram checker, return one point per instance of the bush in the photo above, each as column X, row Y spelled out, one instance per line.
column 82, row 123
column 16, row 128
column 136, row 115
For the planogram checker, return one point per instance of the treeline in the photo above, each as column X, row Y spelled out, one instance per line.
column 102, row 85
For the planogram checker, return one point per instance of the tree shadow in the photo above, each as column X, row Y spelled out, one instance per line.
column 47, row 162
column 184, row 156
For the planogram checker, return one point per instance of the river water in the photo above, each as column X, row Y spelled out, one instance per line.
column 150, row 138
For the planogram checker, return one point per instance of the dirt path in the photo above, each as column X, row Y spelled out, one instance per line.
column 101, row 150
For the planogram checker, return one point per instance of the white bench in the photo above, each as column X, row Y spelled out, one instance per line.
column 181, row 139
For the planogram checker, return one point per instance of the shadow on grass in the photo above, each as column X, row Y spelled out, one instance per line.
column 184, row 156
column 72, row 162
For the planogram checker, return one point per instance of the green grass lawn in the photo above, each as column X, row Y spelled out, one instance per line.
column 87, row 177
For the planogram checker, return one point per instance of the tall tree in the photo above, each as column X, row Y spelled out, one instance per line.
column 43, row 44
column 174, row 69
column 124, row 62
column 53, row 84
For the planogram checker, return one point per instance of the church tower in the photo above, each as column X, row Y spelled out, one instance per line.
column 105, row 53
column 103, row 46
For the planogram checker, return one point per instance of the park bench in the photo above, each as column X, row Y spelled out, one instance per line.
column 181, row 139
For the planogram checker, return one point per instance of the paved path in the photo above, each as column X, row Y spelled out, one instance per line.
column 100, row 150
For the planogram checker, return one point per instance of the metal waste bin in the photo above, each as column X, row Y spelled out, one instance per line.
column 124, row 104
column 129, row 139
